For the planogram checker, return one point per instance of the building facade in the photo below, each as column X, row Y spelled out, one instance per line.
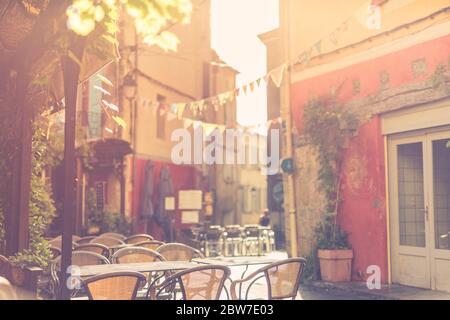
column 145, row 83
column 389, row 64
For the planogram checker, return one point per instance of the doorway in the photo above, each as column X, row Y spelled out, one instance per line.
column 419, row 187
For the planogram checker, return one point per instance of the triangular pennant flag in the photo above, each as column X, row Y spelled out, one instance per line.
column 180, row 110
column 201, row 105
column 277, row 75
column 304, row 57
column 252, row 86
column 266, row 78
column 221, row 128
column 318, row 46
column 187, row 123
column 230, row 96
column 258, row 82
column 237, row 92
column 171, row 116
column 174, row 108
column 244, row 88
column 333, row 38
column 197, row 124
column 344, row 26
column 208, row 128
column 221, row 98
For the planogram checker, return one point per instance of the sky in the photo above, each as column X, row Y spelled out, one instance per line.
column 235, row 26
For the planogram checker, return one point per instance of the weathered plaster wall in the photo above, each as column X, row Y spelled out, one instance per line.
column 396, row 80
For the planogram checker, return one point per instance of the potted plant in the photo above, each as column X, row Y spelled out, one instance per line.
column 333, row 251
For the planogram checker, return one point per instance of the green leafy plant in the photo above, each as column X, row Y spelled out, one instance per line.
column 328, row 126
column 42, row 209
column 152, row 19
column 439, row 78
column 329, row 236
column 100, row 221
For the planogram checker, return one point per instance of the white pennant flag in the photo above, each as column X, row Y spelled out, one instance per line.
column 277, row 75
column 170, row 116
column 197, row 124
column 187, row 123
column 208, row 128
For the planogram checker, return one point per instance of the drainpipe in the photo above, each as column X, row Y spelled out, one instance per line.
column 134, row 109
column 286, row 105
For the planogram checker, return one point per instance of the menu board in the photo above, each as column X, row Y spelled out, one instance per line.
column 169, row 203
column 190, row 217
column 190, row 200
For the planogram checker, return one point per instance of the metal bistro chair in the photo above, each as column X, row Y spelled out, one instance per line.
column 85, row 240
column 137, row 238
column 114, row 286
column 267, row 240
column 57, row 243
column 152, row 245
column 233, row 241
column 252, row 241
column 199, row 283
column 282, row 279
column 108, row 241
column 113, row 235
column 179, row 252
column 79, row 259
column 94, row 247
column 136, row 255
column 56, row 252
column 213, row 242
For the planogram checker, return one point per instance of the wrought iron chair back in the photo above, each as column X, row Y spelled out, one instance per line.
column 179, row 252
column 199, row 283
column 137, row 238
column 113, row 235
column 152, row 245
column 94, row 247
column 282, row 279
column 136, row 255
column 114, row 286
column 108, row 241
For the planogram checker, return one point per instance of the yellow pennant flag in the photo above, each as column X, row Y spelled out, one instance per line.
column 180, row 110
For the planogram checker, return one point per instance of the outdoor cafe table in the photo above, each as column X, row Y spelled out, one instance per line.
column 237, row 262
column 159, row 266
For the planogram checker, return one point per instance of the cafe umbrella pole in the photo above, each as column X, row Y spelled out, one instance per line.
column 71, row 73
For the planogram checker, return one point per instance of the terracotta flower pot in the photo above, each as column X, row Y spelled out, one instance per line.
column 335, row 265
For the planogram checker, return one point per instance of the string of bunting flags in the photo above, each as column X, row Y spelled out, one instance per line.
column 276, row 75
column 207, row 127
column 364, row 14
column 217, row 101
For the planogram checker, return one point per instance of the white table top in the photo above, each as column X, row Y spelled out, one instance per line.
column 237, row 261
column 87, row 271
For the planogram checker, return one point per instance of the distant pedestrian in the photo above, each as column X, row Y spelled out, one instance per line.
column 264, row 220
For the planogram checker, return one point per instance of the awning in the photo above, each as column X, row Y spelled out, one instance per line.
column 106, row 151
